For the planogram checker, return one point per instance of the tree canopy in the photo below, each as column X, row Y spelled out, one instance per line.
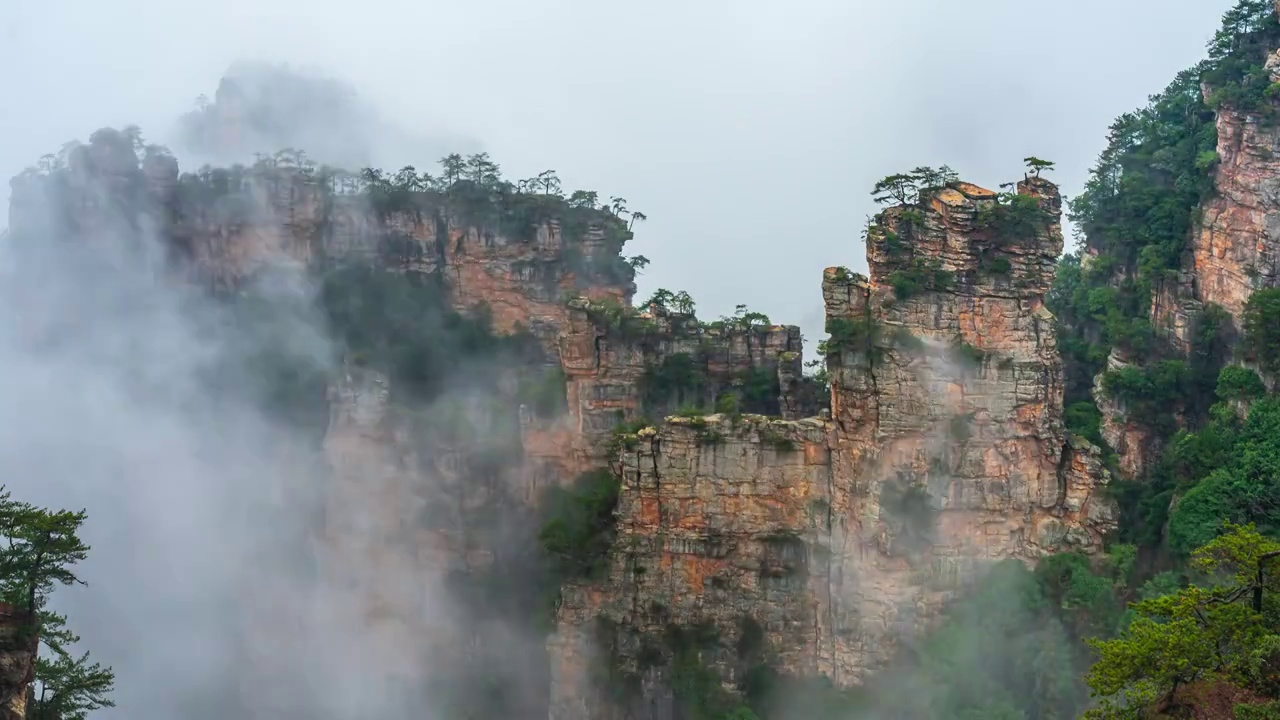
column 38, row 549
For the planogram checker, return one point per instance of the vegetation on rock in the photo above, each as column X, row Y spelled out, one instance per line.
column 579, row 529
column 40, row 548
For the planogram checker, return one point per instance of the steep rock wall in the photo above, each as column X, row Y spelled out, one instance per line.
column 840, row 536
column 719, row 527
column 17, row 663
column 949, row 432
column 606, row 365
column 1233, row 251
column 1237, row 248
column 827, row 539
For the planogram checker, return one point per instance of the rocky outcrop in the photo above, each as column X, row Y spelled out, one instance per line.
column 813, row 544
column 951, row 397
column 17, row 663
column 831, row 540
column 1237, row 247
column 1136, row 445
column 1233, row 251
column 619, row 368
column 720, row 521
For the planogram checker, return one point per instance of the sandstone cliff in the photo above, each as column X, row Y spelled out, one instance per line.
column 17, row 663
column 753, row 536
column 445, row 489
column 1233, row 250
column 1237, row 247
column 820, row 544
column 952, row 396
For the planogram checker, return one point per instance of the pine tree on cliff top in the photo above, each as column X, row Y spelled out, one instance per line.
column 37, row 552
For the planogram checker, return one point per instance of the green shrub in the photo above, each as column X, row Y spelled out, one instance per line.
column 1084, row 419
column 760, row 391
column 624, row 435
column 919, row 275
column 404, row 324
column 965, row 354
column 546, row 392
column 1013, row 217
column 996, row 264
column 857, row 334
column 959, row 427
column 728, row 404
column 1150, row 394
column 842, row 274
column 1242, row 483
column 1261, row 324
column 1237, row 383
column 776, row 439
column 904, row 340
column 677, row 380
column 579, row 529
column 1264, row 711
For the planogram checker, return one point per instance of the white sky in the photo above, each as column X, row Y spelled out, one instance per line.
column 749, row 132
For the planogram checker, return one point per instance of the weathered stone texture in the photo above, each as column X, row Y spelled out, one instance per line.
column 836, row 535
column 944, row 450
column 957, row 398
column 17, row 662
column 721, row 522
column 605, row 367
column 1136, row 445
column 1237, row 248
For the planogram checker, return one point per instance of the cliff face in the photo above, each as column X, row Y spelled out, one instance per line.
column 820, row 544
column 17, row 664
column 431, row 507
column 948, row 406
column 1233, row 250
column 1237, row 248
column 770, row 533
column 717, row 519
column 619, row 369
column 1136, row 445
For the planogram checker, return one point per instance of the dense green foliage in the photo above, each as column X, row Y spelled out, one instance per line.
column 1140, row 206
column 1224, row 629
column 1236, row 476
column 579, row 527
column 40, row 548
column 918, row 275
column 1239, row 49
column 1012, row 216
column 676, row 381
column 403, row 324
column 1223, row 465
column 1261, row 323
column 685, row 374
column 1152, row 393
column 850, row 335
column 1237, row 383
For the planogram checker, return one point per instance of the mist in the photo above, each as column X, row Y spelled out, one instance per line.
column 748, row 133
column 235, row 569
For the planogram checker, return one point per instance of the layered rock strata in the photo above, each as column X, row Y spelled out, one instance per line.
column 813, row 544
column 1234, row 250
column 17, row 662
column 836, row 538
